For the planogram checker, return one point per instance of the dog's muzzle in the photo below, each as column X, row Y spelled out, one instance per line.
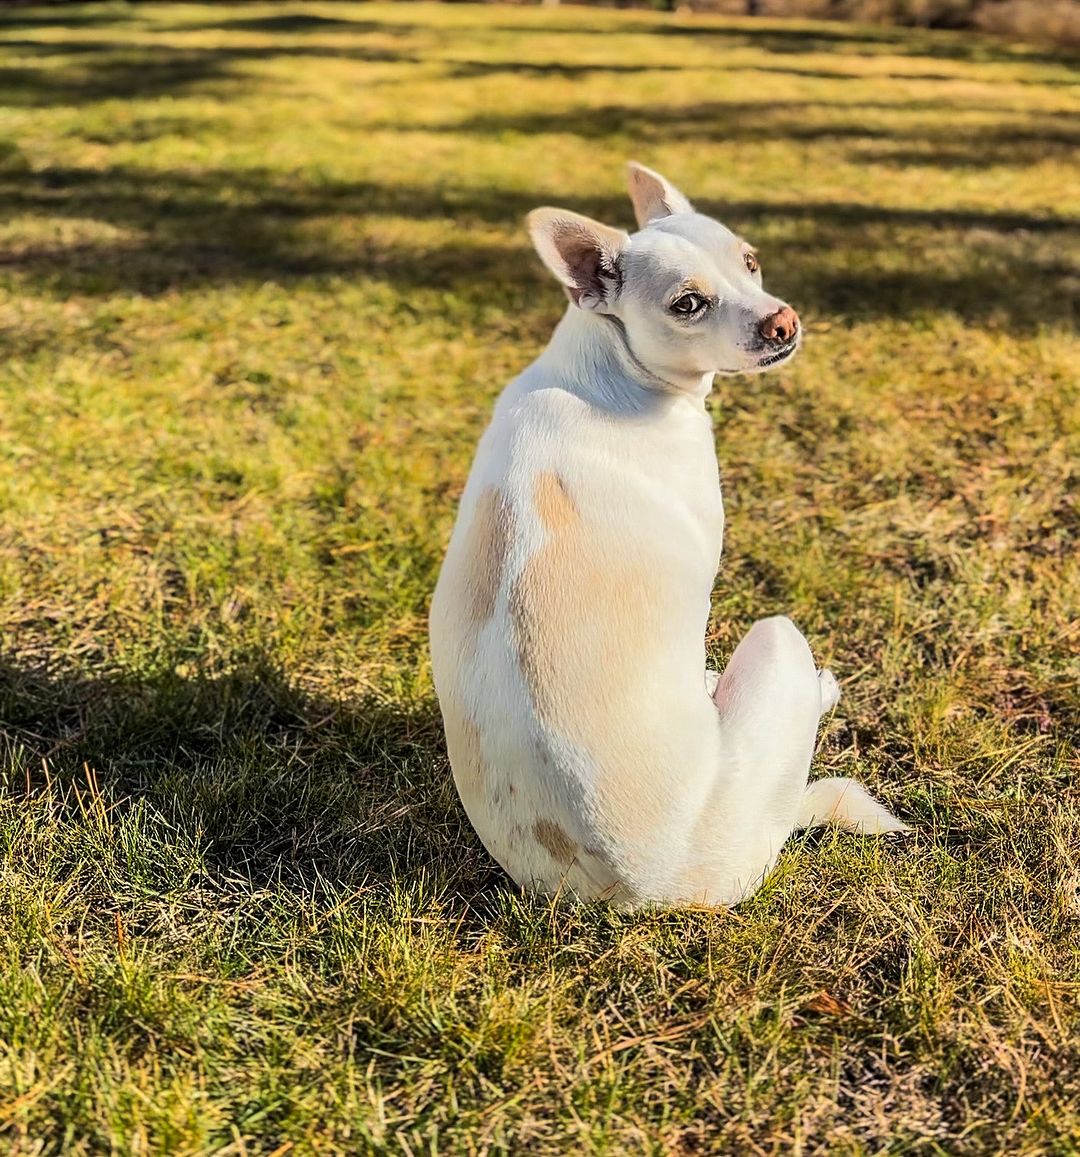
column 775, row 357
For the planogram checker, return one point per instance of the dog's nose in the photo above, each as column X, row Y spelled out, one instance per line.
column 779, row 327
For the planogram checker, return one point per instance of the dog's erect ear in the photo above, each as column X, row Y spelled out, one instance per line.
column 654, row 196
column 583, row 254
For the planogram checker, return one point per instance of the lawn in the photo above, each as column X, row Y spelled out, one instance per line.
column 262, row 275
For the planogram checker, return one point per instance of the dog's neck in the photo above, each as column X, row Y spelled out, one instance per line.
column 593, row 357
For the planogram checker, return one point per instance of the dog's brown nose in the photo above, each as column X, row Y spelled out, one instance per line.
column 779, row 327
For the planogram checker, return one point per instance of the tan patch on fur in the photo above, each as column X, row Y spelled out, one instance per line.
column 555, row 841
column 577, row 607
column 586, row 872
column 486, row 547
column 553, row 503
column 582, row 609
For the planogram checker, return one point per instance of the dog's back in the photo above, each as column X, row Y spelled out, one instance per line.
column 566, row 633
column 567, row 628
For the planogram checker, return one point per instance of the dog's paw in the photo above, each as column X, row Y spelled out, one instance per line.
column 830, row 690
column 711, row 679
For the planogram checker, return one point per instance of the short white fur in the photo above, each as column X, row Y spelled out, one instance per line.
column 593, row 752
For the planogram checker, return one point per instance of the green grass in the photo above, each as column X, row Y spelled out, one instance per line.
column 262, row 274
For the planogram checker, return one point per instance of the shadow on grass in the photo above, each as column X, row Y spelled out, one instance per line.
column 818, row 39
column 182, row 230
column 475, row 68
column 860, row 40
column 300, row 22
column 128, row 69
column 118, row 71
column 274, row 784
column 60, row 16
column 112, row 70
column 169, row 229
column 753, row 121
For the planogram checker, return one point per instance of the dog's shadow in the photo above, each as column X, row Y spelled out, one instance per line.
column 270, row 782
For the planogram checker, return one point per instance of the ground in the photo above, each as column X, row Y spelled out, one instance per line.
column 262, row 274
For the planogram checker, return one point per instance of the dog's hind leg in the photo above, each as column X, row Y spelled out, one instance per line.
column 768, row 701
column 770, row 698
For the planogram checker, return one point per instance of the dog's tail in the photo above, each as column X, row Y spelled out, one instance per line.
column 848, row 805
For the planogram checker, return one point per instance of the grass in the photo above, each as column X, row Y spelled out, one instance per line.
column 262, row 274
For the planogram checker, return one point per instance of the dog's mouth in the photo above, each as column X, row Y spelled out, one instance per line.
column 778, row 356
column 766, row 360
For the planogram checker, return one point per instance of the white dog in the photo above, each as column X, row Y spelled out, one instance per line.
column 592, row 750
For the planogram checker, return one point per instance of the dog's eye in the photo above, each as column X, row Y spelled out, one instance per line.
column 688, row 304
column 751, row 262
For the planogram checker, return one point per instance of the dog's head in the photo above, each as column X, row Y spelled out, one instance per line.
column 686, row 290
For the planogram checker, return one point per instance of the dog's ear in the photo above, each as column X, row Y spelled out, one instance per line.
column 583, row 254
column 654, row 196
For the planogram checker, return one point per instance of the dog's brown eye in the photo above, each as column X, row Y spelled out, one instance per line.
column 688, row 304
column 751, row 262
